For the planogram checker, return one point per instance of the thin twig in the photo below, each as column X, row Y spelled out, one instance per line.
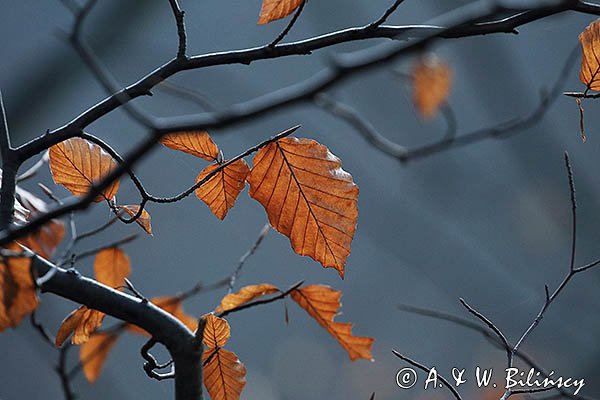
column 289, row 26
column 248, row 254
column 280, row 296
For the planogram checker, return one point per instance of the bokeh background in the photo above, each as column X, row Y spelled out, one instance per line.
column 489, row 222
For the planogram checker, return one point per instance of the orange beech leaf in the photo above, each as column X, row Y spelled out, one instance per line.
column 308, row 197
column 111, row 267
column 82, row 322
column 196, row 143
column 78, row 164
column 224, row 374
column 45, row 240
column 272, row 10
column 144, row 219
column 94, row 352
column 322, row 303
column 173, row 306
column 18, row 296
column 216, row 331
column 432, row 80
column 590, row 63
column 245, row 295
column 222, row 189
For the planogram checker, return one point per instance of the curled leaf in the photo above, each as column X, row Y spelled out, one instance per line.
column 216, row 331
column 322, row 303
column 272, row 10
column 224, row 374
column 196, row 143
column 308, row 197
column 112, row 266
column 144, row 220
column 245, row 295
column 94, row 352
column 82, row 323
column 590, row 63
column 432, row 80
column 222, row 189
column 78, row 164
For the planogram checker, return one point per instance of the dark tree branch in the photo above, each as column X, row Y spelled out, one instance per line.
column 289, row 26
column 386, row 15
column 179, row 14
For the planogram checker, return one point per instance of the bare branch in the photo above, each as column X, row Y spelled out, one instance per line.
column 289, row 26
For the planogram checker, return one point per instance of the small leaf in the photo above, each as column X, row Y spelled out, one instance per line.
column 222, row 189
column 18, row 296
column 590, row 63
column 272, row 10
column 322, row 303
column 432, row 80
column 94, row 352
column 111, row 267
column 196, row 143
column 143, row 220
column 245, row 295
column 173, row 306
column 82, row 322
column 224, row 374
column 308, row 197
column 216, row 331
column 78, row 164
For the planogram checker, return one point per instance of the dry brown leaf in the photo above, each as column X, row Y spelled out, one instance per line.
column 18, row 296
column 322, row 303
column 224, row 374
column 272, row 10
column 245, row 295
column 173, row 306
column 222, row 189
column 590, row 63
column 111, row 267
column 432, row 80
column 144, row 219
column 78, row 164
column 82, row 323
column 196, row 143
column 216, row 331
column 308, row 197
column 94, row 352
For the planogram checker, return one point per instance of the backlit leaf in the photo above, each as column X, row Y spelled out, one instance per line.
column 78, row 164
column 18, row 296
column 224, row 374
column 308, row 197
column 272, row 10
column 143, row 220
column 245, row 295
column 111, row 267
column 590, row 63
column 432, row 80
column 222, row 189
column 196, row 143
column 322, row 303
column 216, row 331
column 82, row 323
column 94, row 352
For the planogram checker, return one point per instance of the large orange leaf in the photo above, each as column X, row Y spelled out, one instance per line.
column 224, row 374
column 144, row 220
column 82, row 323
column 308, row 197
column 245, row 295
column 196, row 143
column 272, row 10
column 590, row 63
column 78, row 164
column 18, row 296
column 216, row 331
column 173, row 306
column 111, row 267
column 94, row 352
column 432, row 80
column 222, row 189
column 322, row 303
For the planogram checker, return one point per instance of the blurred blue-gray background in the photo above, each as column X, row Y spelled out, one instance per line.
column 489, row 222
